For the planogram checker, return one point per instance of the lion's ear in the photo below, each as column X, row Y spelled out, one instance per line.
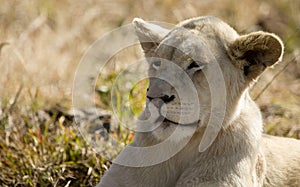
column 150, row 35
column 254, row 52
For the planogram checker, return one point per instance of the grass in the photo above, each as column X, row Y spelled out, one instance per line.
column 41, row 44
column 42, row 150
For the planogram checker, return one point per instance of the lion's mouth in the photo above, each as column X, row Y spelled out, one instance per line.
column 186, row 124
column 165, row 120
column 174, row 113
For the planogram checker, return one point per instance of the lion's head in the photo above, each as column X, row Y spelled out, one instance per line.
column 199, row 72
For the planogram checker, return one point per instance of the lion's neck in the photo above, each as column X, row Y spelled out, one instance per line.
column 244, row 124
column 238, row 144
column 235, row 106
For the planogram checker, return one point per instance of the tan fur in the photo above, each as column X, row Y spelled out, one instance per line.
column 233, row 151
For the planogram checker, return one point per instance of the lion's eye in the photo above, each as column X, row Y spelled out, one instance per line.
column 156, row 64
column 193, row 65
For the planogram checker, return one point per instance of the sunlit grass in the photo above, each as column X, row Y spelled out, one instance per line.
column 45, row 152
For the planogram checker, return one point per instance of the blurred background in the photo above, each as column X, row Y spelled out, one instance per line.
column 41, row 44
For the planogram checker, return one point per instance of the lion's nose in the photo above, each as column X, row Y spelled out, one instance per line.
column 165, row 98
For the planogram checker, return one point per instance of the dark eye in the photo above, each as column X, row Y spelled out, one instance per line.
column 156, row 64
column 193, row 65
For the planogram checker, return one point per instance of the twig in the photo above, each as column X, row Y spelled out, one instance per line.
column 2, row 45
column 16, row 98
column 275, row 76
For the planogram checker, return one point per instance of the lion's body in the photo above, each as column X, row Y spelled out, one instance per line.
column 233, row 152
column 282, row 161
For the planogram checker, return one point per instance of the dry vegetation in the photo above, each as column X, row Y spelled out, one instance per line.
column 41, row 44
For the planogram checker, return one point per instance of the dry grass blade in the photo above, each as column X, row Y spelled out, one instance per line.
column 11, row 107
column 2, row 45
column 274, row 77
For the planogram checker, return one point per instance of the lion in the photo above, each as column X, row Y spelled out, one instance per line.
column 218, row 128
